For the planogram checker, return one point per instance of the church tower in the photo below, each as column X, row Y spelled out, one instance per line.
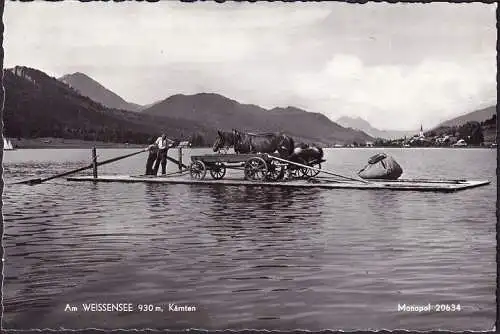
column 421, row 134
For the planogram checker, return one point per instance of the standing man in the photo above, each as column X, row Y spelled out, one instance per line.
column 163, row 144
column 153, row 153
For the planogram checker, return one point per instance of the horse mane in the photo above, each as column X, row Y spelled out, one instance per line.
column 228, row 135
column 226, row 139
column 254, row 134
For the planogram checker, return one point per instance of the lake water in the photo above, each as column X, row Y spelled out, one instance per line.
column 264, row 258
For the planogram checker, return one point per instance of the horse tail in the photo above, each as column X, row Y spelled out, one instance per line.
column 320, row 151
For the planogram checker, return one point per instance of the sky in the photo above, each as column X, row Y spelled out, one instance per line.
column 395, row 65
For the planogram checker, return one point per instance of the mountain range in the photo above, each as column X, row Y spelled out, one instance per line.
column 477, row 116
column 76, row 106
column 87, row 86
column 220, row 112
column 37, row 105
column 363, row 125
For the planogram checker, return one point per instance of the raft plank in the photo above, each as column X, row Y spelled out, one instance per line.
column 408, row 185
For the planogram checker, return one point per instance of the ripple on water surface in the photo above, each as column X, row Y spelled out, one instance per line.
column 251, row 257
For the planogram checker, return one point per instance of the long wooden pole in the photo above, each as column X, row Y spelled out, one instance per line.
column 94, row 162
column 180, row 157
column 40, row 180
column 177, row 162
column 315, row 169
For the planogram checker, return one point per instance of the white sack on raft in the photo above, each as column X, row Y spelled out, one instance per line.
column 381, row 166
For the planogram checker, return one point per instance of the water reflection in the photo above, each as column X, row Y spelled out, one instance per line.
column 156, row 196
column 259, row 213
column 265, row 204
column 383, row 201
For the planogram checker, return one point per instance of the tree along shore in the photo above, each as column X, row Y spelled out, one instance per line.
column 24, row 143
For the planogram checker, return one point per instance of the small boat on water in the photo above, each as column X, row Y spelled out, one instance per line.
column 7, row 145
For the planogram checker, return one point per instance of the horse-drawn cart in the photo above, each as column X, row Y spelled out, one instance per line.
column 256, row 166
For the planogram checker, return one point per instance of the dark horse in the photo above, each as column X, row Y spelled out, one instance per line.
column 255, row 143
column 307, row 154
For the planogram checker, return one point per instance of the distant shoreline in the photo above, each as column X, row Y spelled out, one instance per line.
column 30, row 143
column 416, row 147
column 54, row 143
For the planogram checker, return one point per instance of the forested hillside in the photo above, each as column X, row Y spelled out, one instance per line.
column 37, row 105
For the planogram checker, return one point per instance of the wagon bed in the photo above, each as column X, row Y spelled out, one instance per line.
column 227, row 158
column 256, row 166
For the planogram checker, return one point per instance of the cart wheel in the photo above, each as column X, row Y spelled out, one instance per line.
column 255, row 169
column 198, row 170
column 294, row 172
column 275, row 170
column 218, row 170
column 308, row 173
column 297, row 172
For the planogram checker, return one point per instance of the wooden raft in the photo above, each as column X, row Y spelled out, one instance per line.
column 403, row 184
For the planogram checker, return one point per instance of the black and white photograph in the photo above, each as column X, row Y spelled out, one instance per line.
column 266, row 165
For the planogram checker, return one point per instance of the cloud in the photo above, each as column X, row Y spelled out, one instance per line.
column 399, row 96
column 130, row 34
column 388, row 96
column 394, row 65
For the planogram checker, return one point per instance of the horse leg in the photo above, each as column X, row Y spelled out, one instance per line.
column 289, row 173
